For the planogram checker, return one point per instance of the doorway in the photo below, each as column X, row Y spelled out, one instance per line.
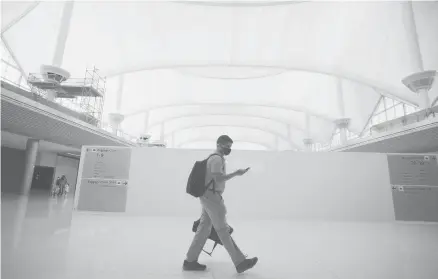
column 42, row 178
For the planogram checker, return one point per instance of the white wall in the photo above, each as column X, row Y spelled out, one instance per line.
column 329, row 186
column 46, row 159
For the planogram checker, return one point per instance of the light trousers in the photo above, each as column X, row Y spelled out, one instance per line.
column 214, row 215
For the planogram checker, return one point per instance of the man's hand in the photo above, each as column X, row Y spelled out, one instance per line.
column 222, row 177
column 241, row 172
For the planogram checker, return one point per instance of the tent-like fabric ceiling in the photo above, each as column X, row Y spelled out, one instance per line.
column 271, row 73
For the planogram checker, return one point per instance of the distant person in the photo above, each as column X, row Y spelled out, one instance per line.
column 55, row 188
column 62, row 183
column 66, row 189
column 214, row 212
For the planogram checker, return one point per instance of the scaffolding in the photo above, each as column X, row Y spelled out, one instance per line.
column 84, row 95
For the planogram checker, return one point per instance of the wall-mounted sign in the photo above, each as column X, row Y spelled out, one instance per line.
column 413, row 170
column 414, row 183
column 104, row 179
column 105, row 182
column 107, row 163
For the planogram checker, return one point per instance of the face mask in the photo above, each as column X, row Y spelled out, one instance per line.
column 226, row 150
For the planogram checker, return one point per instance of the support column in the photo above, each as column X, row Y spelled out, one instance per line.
column 64, row 29
column 340, row 94
column 289, row 136
column 51, row 95
column 308, row 141
column 421, row 81
column 30, row 160
column 308, row 144
column 423, row 93
column 115, row 120
column 162, row 132
column 146, row 122
column 343, row 124
column 307, row 125
column 120, row 93
column 144, row 139
column 410, row 25
column 56, row 75
column 58, row 57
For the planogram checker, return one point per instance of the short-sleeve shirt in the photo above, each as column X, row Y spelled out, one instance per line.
column 216, row 164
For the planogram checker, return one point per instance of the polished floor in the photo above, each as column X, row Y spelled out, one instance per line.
column 43, row 238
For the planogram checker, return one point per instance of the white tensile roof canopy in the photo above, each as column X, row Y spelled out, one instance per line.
column 269, row 74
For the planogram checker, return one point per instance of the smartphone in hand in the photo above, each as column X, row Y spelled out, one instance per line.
column 242, row 171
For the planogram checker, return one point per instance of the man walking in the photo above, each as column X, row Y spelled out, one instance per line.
column 214, row 212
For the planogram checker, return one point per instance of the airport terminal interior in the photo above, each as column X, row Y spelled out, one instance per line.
column 107, row 105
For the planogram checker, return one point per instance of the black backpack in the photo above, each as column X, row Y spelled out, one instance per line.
column 196, row 182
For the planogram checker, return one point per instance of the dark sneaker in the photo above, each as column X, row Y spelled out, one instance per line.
column 193, row 266
column 246, row 264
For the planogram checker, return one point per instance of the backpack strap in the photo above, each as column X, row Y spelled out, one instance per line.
column 215, row 154
column 212, row 181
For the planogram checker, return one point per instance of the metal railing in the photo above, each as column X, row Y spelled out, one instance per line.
column 15, row 84
column 93, row 83
column 75, row 110
column 106, row 127
column 408, row 119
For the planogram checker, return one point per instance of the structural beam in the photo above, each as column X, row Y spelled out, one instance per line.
column 342, row 124
column 200, row 139
column 410, row 25
column 20, row 17
column 308, row 126
column 308, row 144
column 194, row 126
column 387, row 90
column 146, row 122
column 64, row 30
column 340, row 96
column 120, row 93
column 162, row 132
column 11, row 53
column 272, row 106
column 189, row 115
